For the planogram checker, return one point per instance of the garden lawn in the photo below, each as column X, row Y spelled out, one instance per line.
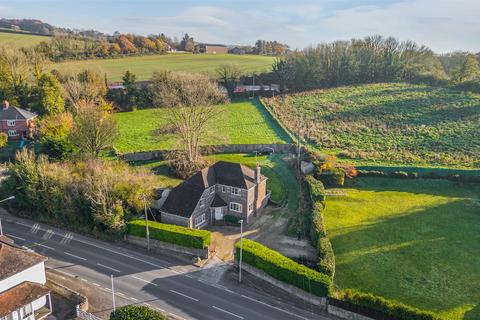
column 237, row 123
column 144, row 66
column 17, row 40
column 416, row 241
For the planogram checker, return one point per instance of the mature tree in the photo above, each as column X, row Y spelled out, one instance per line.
column 94, row 130
column 191, row 101
column 228, row 75
column 50, row 96
column 85, row 88
column 187, row 43
column 14, row 77
column 131, row 90
column 56, row 126
column 467, row 68
column 282, row 72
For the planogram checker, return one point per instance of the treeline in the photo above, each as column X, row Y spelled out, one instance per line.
column 262, row 47
column 369, row 60
column 29, row 25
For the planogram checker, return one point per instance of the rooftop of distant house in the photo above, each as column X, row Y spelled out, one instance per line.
column 14, row 113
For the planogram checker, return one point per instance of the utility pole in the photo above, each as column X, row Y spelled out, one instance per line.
column 241, row 252
column 147, row 231
column 113, row 294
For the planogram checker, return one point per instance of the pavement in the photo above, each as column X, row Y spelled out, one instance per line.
column 163, row 283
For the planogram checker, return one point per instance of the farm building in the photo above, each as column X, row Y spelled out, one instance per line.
column 211, row 48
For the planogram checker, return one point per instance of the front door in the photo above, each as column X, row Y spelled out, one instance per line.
column 218, row 214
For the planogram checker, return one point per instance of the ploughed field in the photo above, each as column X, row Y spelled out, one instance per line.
column 390, row 123
column 245, row 122
column 144, row 66
column 415, row 241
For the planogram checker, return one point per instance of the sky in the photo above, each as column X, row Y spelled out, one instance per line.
column 442, row 25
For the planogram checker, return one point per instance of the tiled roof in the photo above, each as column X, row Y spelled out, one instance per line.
column 14, row 113
column 14, row 259
column 18, row 296
column 183, row 199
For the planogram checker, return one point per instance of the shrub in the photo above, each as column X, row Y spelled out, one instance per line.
column 134, row 312
column 391, row 308
column 316, row 189
column 182, row 236
column 3, row 139
column 332, row 178
column 233, row 220
column 317, row 228
column 284, row 269
column 326, row 262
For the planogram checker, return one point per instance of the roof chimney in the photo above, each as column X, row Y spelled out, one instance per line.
column 257, row 174
column 6, row 104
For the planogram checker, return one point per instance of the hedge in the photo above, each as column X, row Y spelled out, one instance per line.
column 316, row 189
column 232, row 220
column 182, row 236
column 391, row 308
column 463, row 175
column 326, row 263
column 133, row 312
column 284, row 269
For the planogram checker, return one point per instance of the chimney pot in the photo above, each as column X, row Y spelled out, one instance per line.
column 6, row 104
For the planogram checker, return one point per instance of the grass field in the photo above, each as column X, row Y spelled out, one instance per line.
column 144, row 66
column 237, row 123
column 281, row 179
column 16, row 40
column 390, row 124
column 414, row 241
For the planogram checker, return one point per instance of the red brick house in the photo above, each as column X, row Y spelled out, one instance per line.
column 17, row 123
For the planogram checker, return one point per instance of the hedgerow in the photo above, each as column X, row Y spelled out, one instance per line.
column 182, row 236
column 316, row 189
column 389, row 307
column 284, row 269
column 134, row 312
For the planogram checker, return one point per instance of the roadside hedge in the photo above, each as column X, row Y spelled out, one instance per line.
column 134, row 312
column 391, row 308
column 284, row 269
column 316, row 189
column 182, row 236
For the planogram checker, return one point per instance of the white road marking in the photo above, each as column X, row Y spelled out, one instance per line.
column 96, row 284
column 107, row 267
column 183, row 295
column 230, row 313
column 273, row 307
column 133, row 299
column 144, row 280
column 23, row 224
column 14, row 237
column 120, row 294
column 72, row 255
column 47, row 235
column 84, row 279
column 188, row 276
column 42, row 245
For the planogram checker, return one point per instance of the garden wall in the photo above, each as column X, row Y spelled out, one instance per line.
column 79, row 299
column 227, row 148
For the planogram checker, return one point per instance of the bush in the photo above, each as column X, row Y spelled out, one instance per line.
column 3, row 139
column 317, row 228
column 182, row 236
column 134, row 312
column 284, row 269
column 316, row 189
column 326, row 262
column 233, row 220
column 333, row 177
column 391, row 308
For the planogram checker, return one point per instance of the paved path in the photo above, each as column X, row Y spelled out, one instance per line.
column 182, row 291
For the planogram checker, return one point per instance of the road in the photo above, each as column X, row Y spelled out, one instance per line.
column 161, row 283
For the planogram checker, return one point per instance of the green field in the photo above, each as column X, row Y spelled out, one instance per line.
column 237, row 123
column 390, row 124
column 414, row 241
column 144, row 66
column 17, row 40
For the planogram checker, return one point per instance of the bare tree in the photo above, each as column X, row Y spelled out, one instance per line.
column 85, row 88
column 228, row 75
column 94, row 130
column 191, row 101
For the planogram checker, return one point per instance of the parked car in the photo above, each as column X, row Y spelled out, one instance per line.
column 266, row 151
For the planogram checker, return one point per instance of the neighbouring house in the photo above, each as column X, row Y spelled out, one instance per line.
column 211, row 48
column 17, row 123
column 223, row 189
column 23, row 294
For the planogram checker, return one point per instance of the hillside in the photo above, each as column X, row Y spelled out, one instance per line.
column 18, row 40
column 389, row 123
column 237, row 123
column 144, row 66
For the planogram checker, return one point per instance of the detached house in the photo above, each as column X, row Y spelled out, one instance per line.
column 23, row 294
column 222, row 189
column 17, row 123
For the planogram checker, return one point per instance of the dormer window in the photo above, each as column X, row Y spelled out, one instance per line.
column 11, row 123
column 235, row 191
column 201, row 203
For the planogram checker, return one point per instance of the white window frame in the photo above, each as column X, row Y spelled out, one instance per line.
column 200, row 220
column 235, row 191
column 224, row 189
column 201, row 203
column 250, row 207
column 233, row 207
column 12, row 133
column 212, row 189
column 11, row 123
